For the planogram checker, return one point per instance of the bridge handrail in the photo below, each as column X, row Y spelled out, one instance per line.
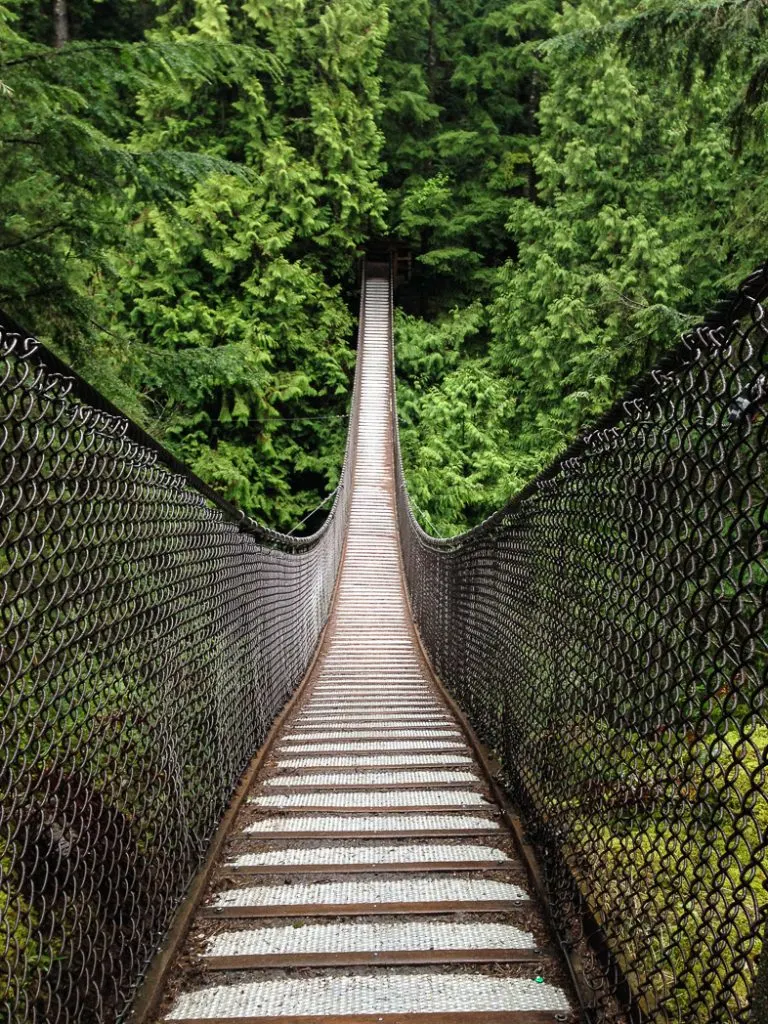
column 607, row 633
column 150, row 632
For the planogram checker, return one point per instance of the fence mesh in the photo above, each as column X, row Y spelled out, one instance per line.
column 150, row 634
column 606, row 632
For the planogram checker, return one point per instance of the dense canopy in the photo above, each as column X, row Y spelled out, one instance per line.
column 188, row 186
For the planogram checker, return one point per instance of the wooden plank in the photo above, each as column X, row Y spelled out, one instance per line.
column 365, row 909
column 387, row 958
column 377, row 868
column 366, row 724
column 369, row 718
column 392, row 833
column 270, row 789
column 371, row 810
column 492, row 1017
column 309, row 769
column 282, row 751
column 407, row 741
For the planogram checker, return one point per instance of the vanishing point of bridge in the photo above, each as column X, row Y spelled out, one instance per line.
column 605, row 634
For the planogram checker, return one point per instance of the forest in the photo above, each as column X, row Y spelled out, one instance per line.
column 188, row 186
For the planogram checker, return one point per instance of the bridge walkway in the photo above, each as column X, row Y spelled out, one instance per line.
column 370, row 874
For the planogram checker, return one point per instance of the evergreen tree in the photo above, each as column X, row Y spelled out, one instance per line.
column 645, row 198
column 188, row 183
column 461, row 89
column 454, row 415
column 183, row 205
column 636, row 228
column 458, row 80
column 235, row 292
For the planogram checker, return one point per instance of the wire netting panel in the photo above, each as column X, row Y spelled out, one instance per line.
column 149, row 637
column 607, row 635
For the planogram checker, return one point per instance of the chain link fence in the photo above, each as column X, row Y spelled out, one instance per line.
column 607, row 634
column 150, row 634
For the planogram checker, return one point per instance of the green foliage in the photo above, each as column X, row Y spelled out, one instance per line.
column 637, row 227
column 187, row 185
column 454, row 418
column 235, row 292
column 457, row 81
column 714, row 850
column 642, row 203
column 183, row 207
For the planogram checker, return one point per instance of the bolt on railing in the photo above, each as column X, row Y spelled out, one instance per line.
column 607, row 634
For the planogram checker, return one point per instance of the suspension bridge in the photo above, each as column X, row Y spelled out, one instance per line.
column 514, row 777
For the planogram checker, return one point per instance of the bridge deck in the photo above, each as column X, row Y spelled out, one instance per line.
column 370, row 874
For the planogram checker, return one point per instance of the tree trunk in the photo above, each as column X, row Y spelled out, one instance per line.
column 60, row 23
